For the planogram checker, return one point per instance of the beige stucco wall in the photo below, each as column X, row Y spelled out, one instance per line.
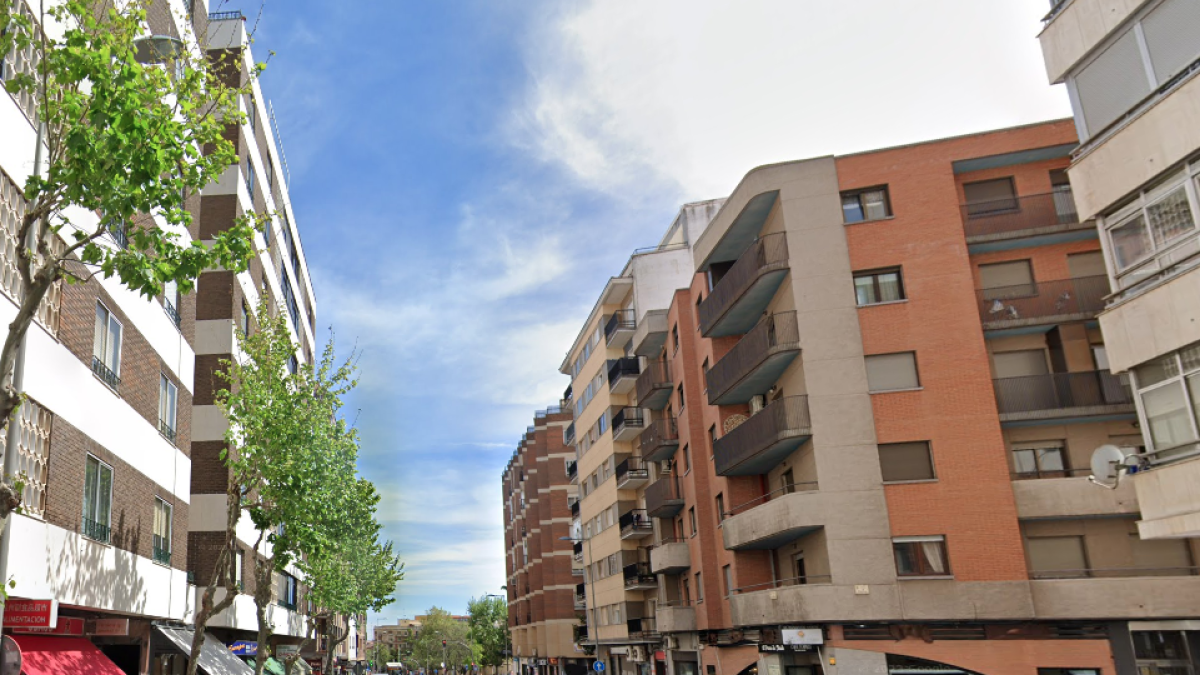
column 1157, row 322
column 1078, row 28
column 1170, row 500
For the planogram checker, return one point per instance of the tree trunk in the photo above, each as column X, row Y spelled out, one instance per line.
column 262, row 600
column 225, row 568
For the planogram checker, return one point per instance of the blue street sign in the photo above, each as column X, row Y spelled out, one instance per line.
column 598, row 666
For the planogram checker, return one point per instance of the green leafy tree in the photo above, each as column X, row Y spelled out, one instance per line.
column 489, row 628
column 437, row 626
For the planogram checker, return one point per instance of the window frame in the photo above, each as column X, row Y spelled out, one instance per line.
column 1015, row 206
column 101, row 466
column 876, row 289
column 168, row 511
column 168, row 392
column 916, row 372
column 1127, row 276
column 933, row 477
column 858, row 193
column 111, row 318
column 1180, row 378
column 923, row 573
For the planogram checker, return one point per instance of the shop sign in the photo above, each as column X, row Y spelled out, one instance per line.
column 287, row 650
column 244, row 648
column 660, row 656
column 110, row 627
column 67, row 626
column 19, row 612
column 802, row 635
column 776, row 649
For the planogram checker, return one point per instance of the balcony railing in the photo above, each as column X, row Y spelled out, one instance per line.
column 572, row 470
column 162, row 550
column 792, row 488
column 632, row 473
column 654, row 385
column 756, row 361
column 659, row 440
column 620, row 326
column 1042, row 302
column 1018, row 215
column 663, row 499
column 635, row 524
column 173, row 313
column 109, row 377
column 760, row 269
column 569, row 434
column 638, row 576
column 642, row 629
column 166, row 430
column 627, row 423
column 622, row 374
column 97, row 531
column 762, row 441
column 1060, row 391
column 227, row 16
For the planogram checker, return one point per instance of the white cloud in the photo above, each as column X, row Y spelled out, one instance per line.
column 630, row 95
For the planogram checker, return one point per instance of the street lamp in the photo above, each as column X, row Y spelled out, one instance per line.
column 593, row 619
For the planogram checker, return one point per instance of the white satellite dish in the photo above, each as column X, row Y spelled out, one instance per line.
column 1108, row 463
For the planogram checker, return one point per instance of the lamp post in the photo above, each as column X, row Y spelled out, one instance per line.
column 590, row 617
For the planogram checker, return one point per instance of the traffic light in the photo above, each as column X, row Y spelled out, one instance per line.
column 443, row 643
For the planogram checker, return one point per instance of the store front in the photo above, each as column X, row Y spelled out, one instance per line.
column 170, row 648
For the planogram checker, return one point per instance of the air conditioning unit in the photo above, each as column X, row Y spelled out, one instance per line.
column 637, row 653
column 672, row 642
column 756, row 404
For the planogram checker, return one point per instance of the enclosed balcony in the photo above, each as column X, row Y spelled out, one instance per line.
column 663, row 498
column 1062, row 396
column 632, row 474
column 1048, row 216
column 619, row 328
column 1042, row 302
column 670, row 557
column 739, row 298
column 756, row 361
column 660, row 440
column 639, row 578
column 654, row 385
column 635, row 524
column 651, row 333
column 627, row 423
column 623, row 374
column 762, row 441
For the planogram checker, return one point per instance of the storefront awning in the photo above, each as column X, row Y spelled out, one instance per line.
column 274, row 667
column 215, row 657
column 55, row 655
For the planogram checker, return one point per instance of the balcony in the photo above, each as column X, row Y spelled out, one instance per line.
column 654, row 385
column 580, row 633
column 1046, row 216
column 784, row 516
column 1042, row 302
column 740, row 297
column 96, row 531
column 623, row 374
column 161, row 550
column 106, row 375
column 1062, row 396
column 569, row 434
column 619, row 328
column 663, row 499
column 761, row 442
column 756, row 361
column 676, row 618
column 639, row 578
column 1072, row 497
column 635, row 524
column 645, row 630
column 651, row 333
column 572, row 471
column 670, row 557
column 575, row 508
column 577, row 551
column 627, row 423
column 580, row 596
column 660, row 440
column 632, row 474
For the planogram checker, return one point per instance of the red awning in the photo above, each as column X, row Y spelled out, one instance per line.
column 63, row 656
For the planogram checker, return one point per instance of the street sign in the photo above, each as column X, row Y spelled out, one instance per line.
column 10, row 657
column 31, row 613
column 598, row 666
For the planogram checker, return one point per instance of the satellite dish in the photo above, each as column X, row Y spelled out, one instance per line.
column 1108, row 463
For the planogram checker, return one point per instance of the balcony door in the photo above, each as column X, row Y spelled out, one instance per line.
column 1022, row 380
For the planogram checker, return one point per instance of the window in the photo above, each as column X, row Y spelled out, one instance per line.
column 1087, row 264
column 798, row 569
column 244, row 319
column 686, row 594
column 687, row 460
column 712, row 437
column 1161, row 557
column 728, row 573
column 872, row 288
column 1170, row 391
column 900, row 462
column 97, row 499
column 720, row 507
column 238, row 563
column 787, row 482
column 250, row 178
column 704, row 367
column 675, row 337
column 988, row 197
column 106, row 350
column 1152, row 232
column 892, row 372
column 171, row 301
column 168, row 395
column 293, row 364
column 870, row 204
column 1020, row 363
column 162, row 531
column 920, row 556
column 1012, row 279
column 699, row 588
column 286, row 590
column 250, row 112
column 1056, row 557
column 680, row 390
column 1044, row 459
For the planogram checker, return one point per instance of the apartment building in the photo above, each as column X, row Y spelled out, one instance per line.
column 398, row 637
column 865, row 426
column 225, row 304
column 105, row 438
column 1130, row 68
column 539, row 566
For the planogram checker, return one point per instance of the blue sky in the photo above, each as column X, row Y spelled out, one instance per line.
column 467, row 173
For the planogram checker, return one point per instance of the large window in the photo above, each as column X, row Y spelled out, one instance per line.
column 286, row 590
column 97, row 499
column 162, row 531
column 168, row 395
column 1156, row 230
column 901, row 462
column 921, row 556
column 878, row 286
column 1169, row 388
column 891, row 372
column 106, row 349
column 869, row 204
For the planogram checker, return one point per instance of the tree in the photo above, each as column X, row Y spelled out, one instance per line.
column 126, row 140
column 489, row 628
column 438, row 626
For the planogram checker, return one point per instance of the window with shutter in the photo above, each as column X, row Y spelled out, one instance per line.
column 905, row 461
column 1013, row 279
column 1057, row 557
column 890, row 372
column 1112, row 84
column 987, row 197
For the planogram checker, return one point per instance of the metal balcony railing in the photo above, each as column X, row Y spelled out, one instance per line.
column 654, row 385
column 767, row 254
column 663, row 498
column 632, row 469
column 627, row 419
column 774, row 335
column 642, row 629
column 781, row 423
column 162, row 550
column 659, row 440
column 1018, row 214
column 173, row 313
column 635, row 522
column 622, row 319
column 166, row 430
column 1052, row 301
column 109, row 377
column 119, row 235
column 1060, row 391
column 97, row 531
column 623, row 367
column 638, row 575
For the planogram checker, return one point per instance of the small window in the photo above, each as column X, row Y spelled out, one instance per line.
column 1040, row 460
column 97, row 499
column 675, row 337
column 989, row 197
column 787, row 482
column 1057, row 557
column 699, row 588
column 799, row 569
column 728, row 572
column 892, row 372
column 162, row 531
column 692, row 520
column 920, row 556
column 687, row 460
column 720, row 507
column 106, row 350
column 870, row 204
column 294, row 366
column 680, row 390
column 250, row 112
column 244, row 319
column 168, row 396
column 250, row 178
column 872, row 288
column 905, row 461
column 704, row 366
column 712, row 436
